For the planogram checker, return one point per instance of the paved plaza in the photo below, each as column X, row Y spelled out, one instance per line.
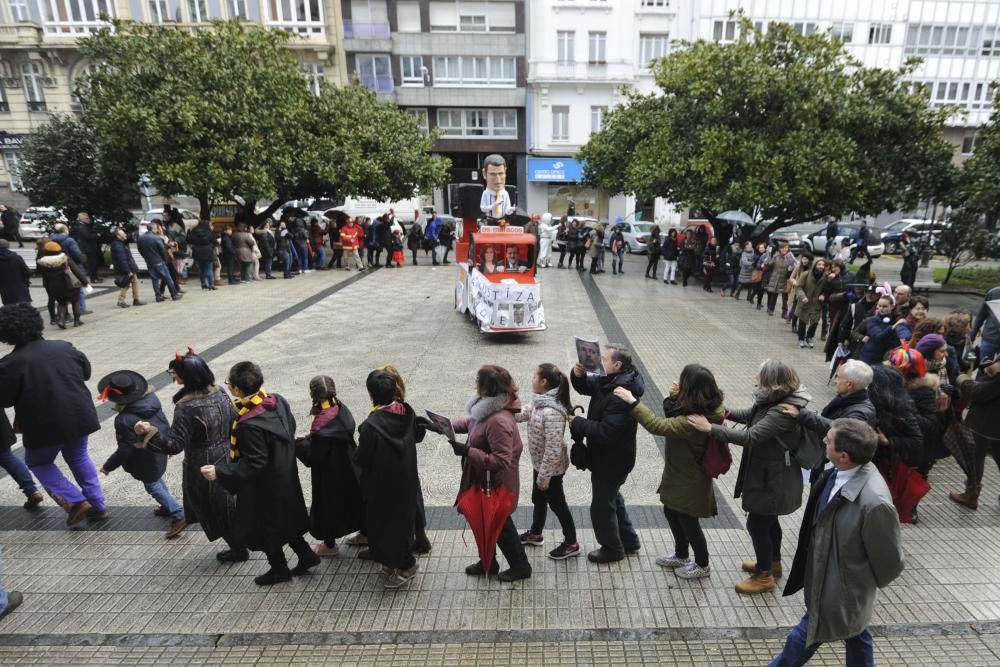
column 119, row 593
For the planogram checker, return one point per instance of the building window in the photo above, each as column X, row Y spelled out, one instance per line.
column 951, row 40
column 301, row 16
column 724, row 31
column 560, row 123
column 597, row 118
column 501, row 123
column 656, row 3
column 13, row 161
column 375, row 72
column 237, row 9
column 842, row 32
column 412, row 70
column 598, row 48
column 314, row 75
column 474, row 71
column 969, row 142
column 474, row 23
column 197, row 11
column 880, row 33
column 421, row 117
column 19, row 10
column 31, row 73
column 71, row 17
column 804, row 28
column 652, row 47
column 4, row 104
column 566, row 40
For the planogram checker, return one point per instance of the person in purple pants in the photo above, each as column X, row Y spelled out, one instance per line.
column 44, row 381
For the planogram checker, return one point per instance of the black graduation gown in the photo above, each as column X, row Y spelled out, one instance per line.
column 387, row 457
column 337, row 506
column 270, row 509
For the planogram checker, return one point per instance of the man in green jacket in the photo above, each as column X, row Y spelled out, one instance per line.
column 849, row 547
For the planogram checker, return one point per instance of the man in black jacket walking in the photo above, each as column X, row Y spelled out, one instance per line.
column 154, row 251
column 88, row 237
column 609, row 430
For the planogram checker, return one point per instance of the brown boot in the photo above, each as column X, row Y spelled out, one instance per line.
column 751, row 567
column 77, row 513
column 33, row 500
column 970, row 498
column 176, row 526
column 760, row 582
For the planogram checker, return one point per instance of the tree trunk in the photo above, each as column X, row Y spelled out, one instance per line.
column 205, row 207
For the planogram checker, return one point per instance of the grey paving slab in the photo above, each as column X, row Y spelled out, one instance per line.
column 122, row 583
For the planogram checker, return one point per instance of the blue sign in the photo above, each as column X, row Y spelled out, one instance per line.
column 556, row 170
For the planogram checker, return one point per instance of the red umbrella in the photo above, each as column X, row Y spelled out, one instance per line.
column 907, row 488
column 486, row 510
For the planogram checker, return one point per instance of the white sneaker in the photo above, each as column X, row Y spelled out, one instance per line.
column 672, row 562
column 693, row 571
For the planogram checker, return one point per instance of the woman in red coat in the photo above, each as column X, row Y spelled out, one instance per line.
column 494, row 446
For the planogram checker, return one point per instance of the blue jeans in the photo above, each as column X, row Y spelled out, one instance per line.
column 616, row 261
column 16, row 469
column 286, row 261
column 265, row 265
column 160, row 275
column 320, row 262
column 986, row 349
column 860, row 649
column 207, row 271
column 3, row 591
column 83, row 300
column 612, row 525
column 158, row 490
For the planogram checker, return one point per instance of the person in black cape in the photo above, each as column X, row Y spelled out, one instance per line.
column 328, row 451
column 261, row 472
column 387, row 457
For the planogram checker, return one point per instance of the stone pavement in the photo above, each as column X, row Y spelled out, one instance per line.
column 120, row 593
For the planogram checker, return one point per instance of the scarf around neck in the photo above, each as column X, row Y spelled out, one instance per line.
column 244, row 408
column 548, row 400
column 481, row 407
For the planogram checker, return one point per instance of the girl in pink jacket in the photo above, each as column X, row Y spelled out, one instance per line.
column 546, row 416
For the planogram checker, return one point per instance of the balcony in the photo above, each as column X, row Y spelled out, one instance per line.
column 22, row 33
column 300, row 27
column 377, row 85
column 353, row 30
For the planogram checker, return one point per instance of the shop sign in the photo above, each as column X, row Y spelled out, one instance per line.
column 558, row 170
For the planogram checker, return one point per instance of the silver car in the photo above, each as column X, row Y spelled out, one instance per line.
column 636, row 235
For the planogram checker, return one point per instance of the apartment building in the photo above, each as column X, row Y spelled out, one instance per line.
column 457, row 66
column 40, row 61
column 582, row 53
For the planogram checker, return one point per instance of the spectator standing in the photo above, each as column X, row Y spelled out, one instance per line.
column 63, row 280
column 11, row 221
column 653, row 250
column 267, row 245
column 15, row 277
column 987, row 324
column 88, row 237
column 350, row 237
column 126, row 270
column 154, row 252
column 780, row 266
column 670, row 254
column 72, row 249
column 546, row 237
column 414, row 239
column 201, row 241
column 983, row 395
column 243, row 246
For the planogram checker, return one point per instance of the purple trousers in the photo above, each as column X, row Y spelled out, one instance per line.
column 74, row 452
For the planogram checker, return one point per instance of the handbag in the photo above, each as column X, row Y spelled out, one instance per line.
column 717, row 458
column 122, row 281
column 71, row 280
column 756, row 276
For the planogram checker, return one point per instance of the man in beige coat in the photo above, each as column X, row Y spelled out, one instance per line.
column 849, row 547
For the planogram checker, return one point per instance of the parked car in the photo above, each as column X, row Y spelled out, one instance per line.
column 815, row 243
column 636, row 235
column 918, row 230
column 36, row 221
column 794, row 234
column 190, row 219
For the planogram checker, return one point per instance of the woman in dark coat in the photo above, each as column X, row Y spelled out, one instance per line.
column 983, row 395
column 653, row 250
column 203, row 416
column 670, row 254
column 14, row 276
column 45, row 382
column 414, row 239
column 328, row 451
column 769, row 482
column 490, row 456
column 62, row 279
column 900, row 439
column 201, row 241
column 686, row 261
column 710, row 262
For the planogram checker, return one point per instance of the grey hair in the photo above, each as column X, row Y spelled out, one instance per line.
column 857, row 373
column 776, row 379
column 60, row 228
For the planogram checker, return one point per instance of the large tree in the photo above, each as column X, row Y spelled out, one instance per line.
column 787, row 127
column 978, row 183
column 62, row 166
column 224, row 112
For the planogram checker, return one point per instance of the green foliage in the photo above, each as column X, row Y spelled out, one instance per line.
column 979, row 182
column 786, row 127
column 62, row 166
column 980, row 279
column 965, row 240
column 224, row 112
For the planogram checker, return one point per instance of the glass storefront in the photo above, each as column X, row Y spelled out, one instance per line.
column 586, row 201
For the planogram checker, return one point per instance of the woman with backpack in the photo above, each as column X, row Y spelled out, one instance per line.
column 769, row 480
column 686, row 491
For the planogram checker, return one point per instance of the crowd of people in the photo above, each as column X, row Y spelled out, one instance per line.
column 70, row 258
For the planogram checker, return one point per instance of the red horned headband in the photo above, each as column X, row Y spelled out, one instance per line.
column 180, row 357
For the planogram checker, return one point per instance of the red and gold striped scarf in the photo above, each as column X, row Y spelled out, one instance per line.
column 243, row 406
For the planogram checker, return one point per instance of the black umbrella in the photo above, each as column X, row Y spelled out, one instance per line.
column 322, row 204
